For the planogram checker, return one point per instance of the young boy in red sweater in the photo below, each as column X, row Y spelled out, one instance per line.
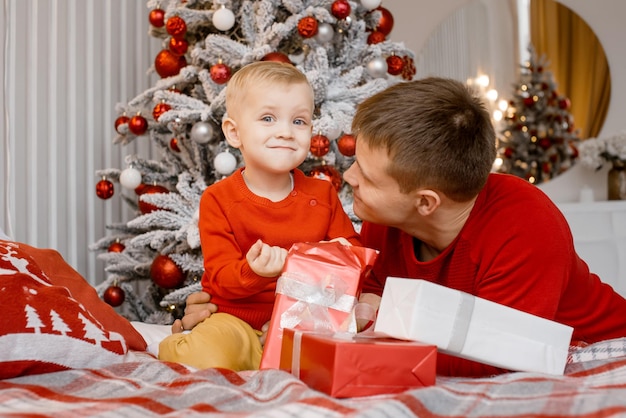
column 249, row 220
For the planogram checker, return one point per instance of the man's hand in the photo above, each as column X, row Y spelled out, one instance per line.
column 197, row 309
column 266, row 261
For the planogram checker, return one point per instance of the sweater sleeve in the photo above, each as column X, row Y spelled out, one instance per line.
column 226, row 271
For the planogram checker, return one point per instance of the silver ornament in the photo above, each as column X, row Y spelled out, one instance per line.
column 130, row 178
column 370, row 4
column 377, row 67
column 201, row 132
column 223, row 19
column 325, row 33
column 225, row 163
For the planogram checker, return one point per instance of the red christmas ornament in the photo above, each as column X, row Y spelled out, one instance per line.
column 159, row 109
column 385, row 23
column 320, row 145
column 395, row 65
column 328, row 173
column 178, row 46
column 140, row 189
column 165, row 273
column 168, row 64
column 340, row 9
column 545, row 143
column 307, row 27
column 157, row 18
column 220, row 73
column 138, row 125
column 529, row 101
column 347, row 145
column 104, row 189
column 564, row 103
column 376, row 38
column 276, row 56
column 116, row 247
column 145, row 207
column 508, row 152
column 176, row 27
column 174, row 145
column 408, row 71
column 114, row 296
column 120, row 121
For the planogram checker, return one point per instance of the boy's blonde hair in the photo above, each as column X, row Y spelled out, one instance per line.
column 259, row 73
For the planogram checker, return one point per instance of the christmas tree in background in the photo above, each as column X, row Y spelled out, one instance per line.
column 539, row 139
column 154, row 260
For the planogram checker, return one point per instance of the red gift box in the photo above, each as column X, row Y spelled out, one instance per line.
column 352, row 365
column 316, row 291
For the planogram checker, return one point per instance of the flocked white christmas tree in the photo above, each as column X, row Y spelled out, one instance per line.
column 539, row 140
column 154, row 260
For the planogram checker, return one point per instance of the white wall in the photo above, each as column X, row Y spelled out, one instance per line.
column 66, row 63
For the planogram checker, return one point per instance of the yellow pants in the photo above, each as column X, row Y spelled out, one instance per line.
column 221, row 340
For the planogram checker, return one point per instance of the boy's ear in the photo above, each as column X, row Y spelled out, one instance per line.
column 229, row 127
column 427, row 201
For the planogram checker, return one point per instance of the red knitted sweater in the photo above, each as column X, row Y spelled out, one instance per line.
column 232, row 218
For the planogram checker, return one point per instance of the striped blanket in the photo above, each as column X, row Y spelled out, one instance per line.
column 594, row 385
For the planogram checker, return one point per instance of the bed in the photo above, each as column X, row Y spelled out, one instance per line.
column 64, row 352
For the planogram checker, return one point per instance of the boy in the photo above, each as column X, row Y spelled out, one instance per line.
column 249, row 220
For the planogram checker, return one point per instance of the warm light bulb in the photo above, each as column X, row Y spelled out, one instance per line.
column 503, row 105
column 497, row 115
column 483, row 80
column 492, row 95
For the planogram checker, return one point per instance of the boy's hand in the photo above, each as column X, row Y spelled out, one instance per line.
column 266, row 261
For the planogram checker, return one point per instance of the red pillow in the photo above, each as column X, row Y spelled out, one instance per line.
column 53, row 319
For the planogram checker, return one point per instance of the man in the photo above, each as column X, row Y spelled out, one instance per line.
column 423, row 187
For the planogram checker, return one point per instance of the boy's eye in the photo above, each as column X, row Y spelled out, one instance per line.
column 299, row 122
column 267, row 119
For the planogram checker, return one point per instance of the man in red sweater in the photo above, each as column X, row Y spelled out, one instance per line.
column 423, row 187
column 250, row 219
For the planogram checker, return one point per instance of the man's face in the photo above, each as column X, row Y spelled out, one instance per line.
column 377, row 196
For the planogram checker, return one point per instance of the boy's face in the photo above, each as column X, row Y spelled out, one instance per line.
column 377, row 195
column 272, row 127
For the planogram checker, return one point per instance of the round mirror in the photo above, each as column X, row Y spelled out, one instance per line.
column 488, row 43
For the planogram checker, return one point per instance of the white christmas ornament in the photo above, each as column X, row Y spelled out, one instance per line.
column 130, row 178
column 297, row 58
column 223, row 19
column 370, row 4
column 225, row 163
column 201, row 132
column 377, row 67
column 325, row 33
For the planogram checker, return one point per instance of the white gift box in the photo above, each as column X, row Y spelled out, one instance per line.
column 471, row 327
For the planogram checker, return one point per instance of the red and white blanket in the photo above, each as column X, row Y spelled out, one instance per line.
column 594, row 385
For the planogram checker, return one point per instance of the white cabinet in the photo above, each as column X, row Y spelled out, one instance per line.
column 599, row 230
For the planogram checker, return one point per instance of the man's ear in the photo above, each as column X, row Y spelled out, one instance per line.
column 229, row 127
column 427, row 201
